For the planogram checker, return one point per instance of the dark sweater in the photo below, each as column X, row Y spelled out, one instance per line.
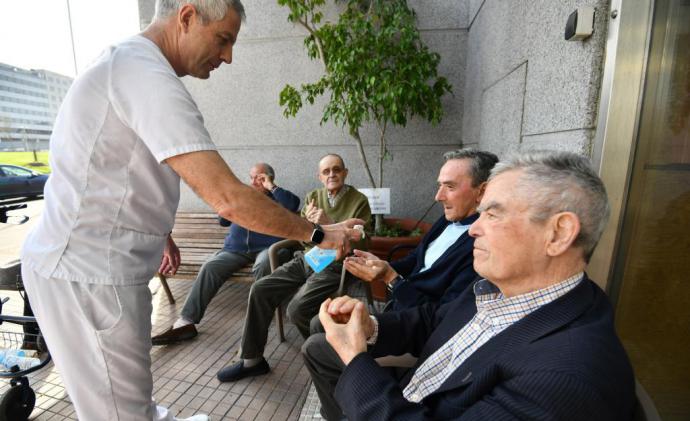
column 444, row 280
column 241, row 240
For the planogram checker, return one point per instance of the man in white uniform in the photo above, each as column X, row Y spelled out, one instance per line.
column 125, row 134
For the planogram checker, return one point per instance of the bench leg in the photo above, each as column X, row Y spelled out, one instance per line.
column 166, row 288
column 279, row 319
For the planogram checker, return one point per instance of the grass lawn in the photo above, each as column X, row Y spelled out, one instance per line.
column 26, row 159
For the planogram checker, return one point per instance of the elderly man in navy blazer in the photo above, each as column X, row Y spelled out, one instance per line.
column 534, row 339
column 440, row 267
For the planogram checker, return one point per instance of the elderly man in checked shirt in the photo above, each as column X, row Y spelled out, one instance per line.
column 534, row 339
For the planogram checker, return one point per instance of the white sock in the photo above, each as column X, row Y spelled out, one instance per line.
column 181, row 322
column 251, row 362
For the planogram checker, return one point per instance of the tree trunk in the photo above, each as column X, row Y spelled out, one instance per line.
column 378, row 219
column 378, row 223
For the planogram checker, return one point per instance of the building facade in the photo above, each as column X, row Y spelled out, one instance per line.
column 29, row 102
column 620, row 97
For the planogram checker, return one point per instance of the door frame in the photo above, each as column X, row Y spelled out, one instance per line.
column 613, row 148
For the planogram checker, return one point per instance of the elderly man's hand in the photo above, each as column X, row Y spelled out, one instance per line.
column 266, row 182
column 338, row 236
column 368, row 267
column 316, row 215
column 171, row 258
column 347, row 325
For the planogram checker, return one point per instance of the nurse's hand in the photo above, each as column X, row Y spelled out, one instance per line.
column 338, row 236
column 171, row 258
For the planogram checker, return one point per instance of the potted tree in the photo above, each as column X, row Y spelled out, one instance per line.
column 376, row 70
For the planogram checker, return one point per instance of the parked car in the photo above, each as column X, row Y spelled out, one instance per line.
column 16, row 181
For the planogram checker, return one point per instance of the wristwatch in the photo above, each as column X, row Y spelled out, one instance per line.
column 394, row 282
column 317, row 235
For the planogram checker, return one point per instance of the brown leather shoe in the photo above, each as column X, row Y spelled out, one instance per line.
column 172, row 336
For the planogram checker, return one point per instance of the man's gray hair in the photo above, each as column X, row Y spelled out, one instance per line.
column 209, row 10
column 562, row 182
column 482, row 163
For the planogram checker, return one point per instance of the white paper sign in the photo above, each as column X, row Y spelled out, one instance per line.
column 379, row 200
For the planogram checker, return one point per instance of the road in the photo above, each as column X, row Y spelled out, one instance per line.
column 12, row 236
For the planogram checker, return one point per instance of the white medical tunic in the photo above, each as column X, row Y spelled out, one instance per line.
column 110, row 201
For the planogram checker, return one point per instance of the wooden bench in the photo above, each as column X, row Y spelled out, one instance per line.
column 199, row 236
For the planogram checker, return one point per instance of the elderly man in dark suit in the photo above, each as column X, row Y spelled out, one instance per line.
column 440, row 267
column 533, row 340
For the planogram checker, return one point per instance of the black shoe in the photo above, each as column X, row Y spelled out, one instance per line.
column 173, row 335
column 237, row 371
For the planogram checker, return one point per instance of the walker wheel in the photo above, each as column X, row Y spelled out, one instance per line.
column 17, row 403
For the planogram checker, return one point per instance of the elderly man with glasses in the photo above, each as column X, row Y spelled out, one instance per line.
column 333, row 203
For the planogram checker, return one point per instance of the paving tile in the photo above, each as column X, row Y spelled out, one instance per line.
column 222, row 408
column 235, row 412
column 249, row 414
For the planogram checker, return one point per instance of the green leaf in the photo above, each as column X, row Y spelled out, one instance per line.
column 377, row 69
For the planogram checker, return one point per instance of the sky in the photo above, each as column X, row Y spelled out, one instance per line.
column 35, row 33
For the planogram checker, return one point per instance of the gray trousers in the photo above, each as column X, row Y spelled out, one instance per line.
column 216, row 270
column 294, row 277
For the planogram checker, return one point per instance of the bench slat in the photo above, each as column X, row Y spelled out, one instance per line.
column 199, row 236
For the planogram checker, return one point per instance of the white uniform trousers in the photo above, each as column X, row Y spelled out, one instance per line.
column 99, row 337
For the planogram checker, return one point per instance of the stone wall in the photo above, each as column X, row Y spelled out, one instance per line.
column 517, row 85
column 240, row 106
column 525, row 86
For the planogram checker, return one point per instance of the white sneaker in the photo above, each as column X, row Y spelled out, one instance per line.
column 198, row 417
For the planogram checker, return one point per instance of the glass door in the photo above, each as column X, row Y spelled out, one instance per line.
column 651, row 276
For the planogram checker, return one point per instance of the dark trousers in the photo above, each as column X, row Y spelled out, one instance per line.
column 294, row 277
column 325, row 367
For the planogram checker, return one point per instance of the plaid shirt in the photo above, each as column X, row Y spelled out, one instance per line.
column 494, row 314
column 332, row 200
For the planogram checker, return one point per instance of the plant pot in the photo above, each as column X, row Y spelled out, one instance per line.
column 381, row 247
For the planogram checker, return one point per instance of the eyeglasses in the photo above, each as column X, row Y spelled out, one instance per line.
column 334, row 171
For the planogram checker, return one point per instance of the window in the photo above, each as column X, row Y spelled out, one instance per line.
column 15, row 171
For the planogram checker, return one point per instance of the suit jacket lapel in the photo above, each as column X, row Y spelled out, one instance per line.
column 436, row 230
column 460, row 242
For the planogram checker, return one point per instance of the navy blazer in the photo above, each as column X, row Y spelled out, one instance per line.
column 447, row 278
column 241, row 240
column 561, row 362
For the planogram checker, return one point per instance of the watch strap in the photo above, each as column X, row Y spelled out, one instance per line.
column 391, row 285
column 317, row 235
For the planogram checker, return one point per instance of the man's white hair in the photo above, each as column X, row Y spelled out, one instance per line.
column 562, row 181
column 209, row 10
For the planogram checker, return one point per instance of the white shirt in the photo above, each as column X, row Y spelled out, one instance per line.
column 110, row 201
column 439, row 246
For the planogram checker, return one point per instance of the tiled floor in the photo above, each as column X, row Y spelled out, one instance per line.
column 184, row 374
column 312, row 407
